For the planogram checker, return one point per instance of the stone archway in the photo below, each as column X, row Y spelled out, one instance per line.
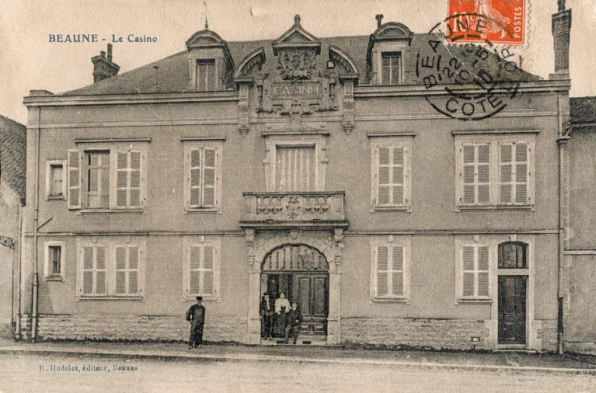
column 260, row 246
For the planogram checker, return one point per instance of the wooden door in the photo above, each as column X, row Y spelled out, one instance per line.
column 512, row 309
column 311, row 294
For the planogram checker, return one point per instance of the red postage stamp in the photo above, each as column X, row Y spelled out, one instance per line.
column 498, row 21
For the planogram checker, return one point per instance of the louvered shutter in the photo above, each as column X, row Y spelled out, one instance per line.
column 483, row 275
column 521, row 173
column 382, row 270
column 120, row 270
column 384, row 180
column 194, row 264
column 468, row 271
column 121, row 179
column 88, row 270
column 209, row 177
column 476, row 174
column 100, row 271
column 506, row 173
column 398, row 175
column 195, row 177
column 133, row 270
column 207, row 270
column 397, row 274
column 74, row 179
column 135, row 179
column 483, row 174
column 468, row 177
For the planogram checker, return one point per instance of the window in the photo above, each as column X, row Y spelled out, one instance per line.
column 390, row 68
column 206, row 75
column 391, row 168
column 201, row 273
column 295, row 168
column 107, row 178
column 110, row 269
column 474, row 270
column 495, row 172
column 513, row 255
column 55, row 184
column 54, row 261
column 203, row 176
column 390, row 269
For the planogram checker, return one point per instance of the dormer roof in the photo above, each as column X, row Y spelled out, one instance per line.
column 296, row 37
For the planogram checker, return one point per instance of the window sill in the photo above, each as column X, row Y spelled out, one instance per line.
column 54, row 278
column 188, row 210
column 193, row 298
column 55, row 198
column 85, row 298
column 475, row 301
column 108, row 211
column 402, row 300
column 494, row 207
column 379, row 209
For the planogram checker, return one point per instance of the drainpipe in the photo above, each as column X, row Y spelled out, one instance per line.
column 35, row 230
column 17, row 331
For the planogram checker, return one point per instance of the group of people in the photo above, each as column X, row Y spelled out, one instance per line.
column 279, row 319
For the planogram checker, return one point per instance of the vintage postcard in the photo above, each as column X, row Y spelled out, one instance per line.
column 261, row 195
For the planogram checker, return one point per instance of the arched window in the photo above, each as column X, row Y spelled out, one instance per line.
column 513, row 255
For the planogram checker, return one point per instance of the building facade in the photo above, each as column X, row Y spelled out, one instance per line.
column 316, row 167
column 13, row 145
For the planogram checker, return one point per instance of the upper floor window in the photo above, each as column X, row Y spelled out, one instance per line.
column 495, row 172
column 203, row 175
column 107, row 178
column 295, row 168
column 390, row 68
column 55, row 180
column 206, row 75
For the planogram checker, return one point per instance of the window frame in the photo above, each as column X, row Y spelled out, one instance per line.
column 48, row 274
column 110, row 245
column 49, row 179
column 391, row 142
column 213, row 63
column 495, row 141
column 388, row 54
column 189, row 146
column 112, row 148
column 390, row 241
column 201, row 241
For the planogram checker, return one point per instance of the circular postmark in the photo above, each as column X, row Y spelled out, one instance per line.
column 466, row 76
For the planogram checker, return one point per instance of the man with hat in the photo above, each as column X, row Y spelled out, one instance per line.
column 196, row 316
column 267, row 312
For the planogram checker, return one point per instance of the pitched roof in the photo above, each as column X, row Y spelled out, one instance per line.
column 13, row 154
column 583, row 110
column 173, row 71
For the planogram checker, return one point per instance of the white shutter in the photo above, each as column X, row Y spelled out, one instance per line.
column 133, row 270
column 74, row 179
column 195, row 177
column 397, row 274
column 475, row 271
column 468, row 176
column 100, row 271
column 207, row 271
column 384, row 176
column 506, row 173
column 522, row 168
column 121, row 179
column 398, row 175
column 382, row 271
column 483, row 278
column 194, row 266
column 120, row 270
column 483, row 173
column 128, row 179
column 468, row 271
column 88, row 270
column 135, row 179
column 209, row 177
column 476, row 174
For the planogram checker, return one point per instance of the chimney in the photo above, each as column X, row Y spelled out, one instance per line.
column 379, row 18
column 103, row 67
column 561, row 27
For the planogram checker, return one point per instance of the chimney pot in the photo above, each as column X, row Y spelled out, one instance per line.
column 109, row 52
column 379, row 18
column 103, row 54
column 103, row 67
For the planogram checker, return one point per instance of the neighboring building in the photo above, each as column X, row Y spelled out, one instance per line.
column 314, row 167
column 580, row 252
column 13, row 164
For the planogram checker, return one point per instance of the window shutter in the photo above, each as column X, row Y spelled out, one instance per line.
column 382, row 267
column 209, row 177
column 100, row 271
column 87, row 270
column 398, row 271
column 207, row 288
column 384, row 176
column 398, row 175
column 195, row 178
column 483, row 173
column 194, row 263
column 120, row 270
column 74, row 179
column 468, row 271
column 133, row 270
column 468, row 177
column 483, row 279
column 135, row 179
column 506, row 179
column 121, row 179
column 521, row 173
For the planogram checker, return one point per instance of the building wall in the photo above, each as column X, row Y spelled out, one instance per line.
column 9, row 227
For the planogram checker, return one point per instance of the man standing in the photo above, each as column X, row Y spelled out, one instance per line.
column 294, row 321
column 267, row 311
column 196, row 316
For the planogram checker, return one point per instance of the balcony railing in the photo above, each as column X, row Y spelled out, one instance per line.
column 310, row 208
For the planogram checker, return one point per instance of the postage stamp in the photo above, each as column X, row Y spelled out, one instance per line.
column 499, row 21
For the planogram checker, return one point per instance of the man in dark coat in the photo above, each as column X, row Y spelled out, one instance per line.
column 196, row 316
column 267, row 312
column 294, row 319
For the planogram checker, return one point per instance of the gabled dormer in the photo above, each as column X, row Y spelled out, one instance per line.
column 388, row 53
column 210, row 63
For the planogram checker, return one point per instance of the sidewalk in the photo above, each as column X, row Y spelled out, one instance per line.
column 302, row 354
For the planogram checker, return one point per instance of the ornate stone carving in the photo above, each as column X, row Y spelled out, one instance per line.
column 296, row 64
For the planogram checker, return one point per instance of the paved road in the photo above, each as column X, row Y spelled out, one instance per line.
column 32, row 373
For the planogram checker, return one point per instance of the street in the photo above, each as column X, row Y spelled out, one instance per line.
column 56, row 373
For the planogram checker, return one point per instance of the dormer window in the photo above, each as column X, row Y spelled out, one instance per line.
column 391, row 68
column 206, row 75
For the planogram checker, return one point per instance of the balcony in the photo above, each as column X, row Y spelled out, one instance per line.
column 294, row 209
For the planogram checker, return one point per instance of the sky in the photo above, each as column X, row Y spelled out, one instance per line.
column 29, row 61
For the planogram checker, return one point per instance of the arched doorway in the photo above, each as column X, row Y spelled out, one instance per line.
column 301, row 272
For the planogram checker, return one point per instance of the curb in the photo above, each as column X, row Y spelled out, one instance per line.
column 294, row 359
